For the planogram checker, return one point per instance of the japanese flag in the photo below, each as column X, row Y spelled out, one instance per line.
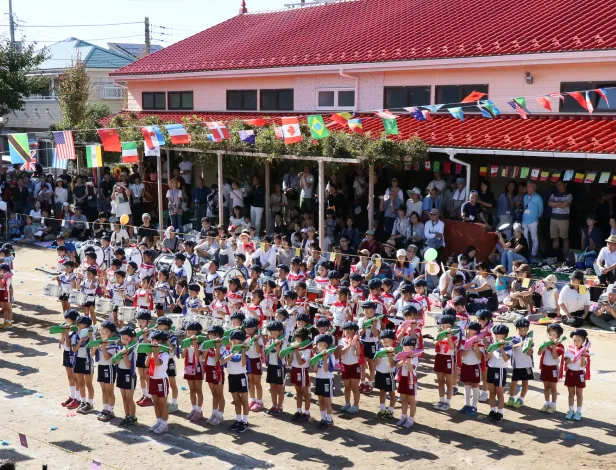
column 290, row 130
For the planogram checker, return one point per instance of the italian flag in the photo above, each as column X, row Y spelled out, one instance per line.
column 94, row 156
column 129, row 152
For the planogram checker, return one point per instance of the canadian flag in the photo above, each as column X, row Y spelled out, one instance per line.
column 219, row 130
column 290, row 130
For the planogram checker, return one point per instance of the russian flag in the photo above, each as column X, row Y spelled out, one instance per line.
column 152, row 136
column 178, row 134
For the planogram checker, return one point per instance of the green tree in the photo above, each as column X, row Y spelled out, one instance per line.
column 18, row 75
column 74, row 95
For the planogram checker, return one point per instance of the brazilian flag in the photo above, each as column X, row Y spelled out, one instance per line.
column 317, row 127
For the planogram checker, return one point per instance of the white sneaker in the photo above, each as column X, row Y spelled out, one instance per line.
column 437, row 406
column 161, row 429
column 216, row 420
column 401, row 421
column 211, row 419
column 483, row 396
column 153, row 428
column 445, row 406
column 409, row 423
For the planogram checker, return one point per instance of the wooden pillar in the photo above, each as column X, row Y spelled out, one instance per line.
column 221, row 206
column 159, row 171
column 268, row 192
column 322, row 232
column 371, row 183
column 168, row 166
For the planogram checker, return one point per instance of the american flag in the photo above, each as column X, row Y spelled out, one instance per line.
column 30, row 166
column 522, row 111
column 65, row 146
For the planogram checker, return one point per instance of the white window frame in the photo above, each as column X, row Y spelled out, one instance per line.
column 335, row 107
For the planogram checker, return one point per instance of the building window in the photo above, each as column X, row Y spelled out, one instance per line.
column 452, row 95
column 180, row 100
column 335, row 99
column 242, row 100
column 406, row 96
column 153, row 101
column 570, row 105
column 277, row 100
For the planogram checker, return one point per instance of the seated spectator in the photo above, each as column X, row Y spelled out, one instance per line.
column 79, row 225
column 431, row 202
column 574, row 301
column 413, row 204
column 605, row 316
column 592, row 238
column 14, row 226
column 515, row 249
column 471, row 211
column 403, row 270
column 471, row 253
column 28, row 236
column 101, row 227
column 522, row 290
column 445, row 283
column 147, row 232
column 482, row 289
column 434, row 231
column 401, row 224
column 411, row 256
column 459, row 197
column 550, row 306
column 415, row 230
column 437, row 183
column 607, row 261
column 351, row 233
column 119, row 236
column 370, row 243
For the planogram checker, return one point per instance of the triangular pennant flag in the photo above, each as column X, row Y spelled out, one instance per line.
column 458, row 168
column 603, row 95
column 290, row 130
column 317, row 127
column 427, row 165
column 515, row 172
column 613, row 182
column 473, row 96
column 94, row 156
column 604, row 177
column 578, row 178
column 436, row 166
column 557, row 95
column 555, row 176
column 534, row 174
column 129, row 152
column 259, row 122
column 485, row 113
column 518, row 108
column 577, row 96
column 457, row 113
column 589, row 105
column 504, row 171
column 590, row 177
column 521, row 101
column 433, row 107
column 524, row 172
column 110, row 140
column 489, row 107
column 494, row 171
column 447, row 167
column 545, row 102
column 545, row 174
column 385, row 114
column 426, row 114
column 568, row 176
column 415, row 166
column 355, row 125
column 391, row 126
column 341, row 118
column 483, row 171
column 416, row 113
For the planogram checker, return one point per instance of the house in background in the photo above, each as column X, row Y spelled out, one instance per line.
column 136, row 51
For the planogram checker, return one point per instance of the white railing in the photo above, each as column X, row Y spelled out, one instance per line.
column 41, row 98
column 111, row 93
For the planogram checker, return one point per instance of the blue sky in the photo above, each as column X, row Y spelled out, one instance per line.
column 171, row 20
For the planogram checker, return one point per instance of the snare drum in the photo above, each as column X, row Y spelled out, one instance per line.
column 314, row 294
column 103, row 305
column 159, row 297
column 203, row 320
column 77, row 298
column 216, row 321
column 227, row 323
column 117, row 302
column 177, row 320
column 51, row 290
column 127, row 314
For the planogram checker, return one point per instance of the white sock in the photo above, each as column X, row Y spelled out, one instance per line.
column 382, row 406
column 72, row 392
column 238, row 417
column 579, row 409
column 110, row 408
column 299, row 410
column 90, row 401
column 475, row 397
column 570, row 407
column 159, row 420
column 403, row 417
column 198, row 409
column 307, row 412
column 260, row 402
column 494, row 409
column 448, row 401
column 245, row 418
column 323, row 414
column 145, row 392
column 547, row 403
column 217, row 412
column 164, row 422
column 467, row 394
column 500, row 410
column 330, row 417
column 521, row 399
column 174, row 401
column 194, row 408
column 441, row 399
column 104, row 407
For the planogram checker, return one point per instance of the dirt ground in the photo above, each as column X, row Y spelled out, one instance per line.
column 32, row 385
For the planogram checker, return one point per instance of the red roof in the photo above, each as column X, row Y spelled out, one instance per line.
column 360, row 31
column 587, row 134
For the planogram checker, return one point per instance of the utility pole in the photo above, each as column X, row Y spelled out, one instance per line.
column 11, row 23
column 147, row 35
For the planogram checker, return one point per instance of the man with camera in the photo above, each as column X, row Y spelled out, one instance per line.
column 306, row 183
column 605, row 316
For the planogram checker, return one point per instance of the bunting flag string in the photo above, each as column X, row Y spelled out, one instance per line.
column 544, row 175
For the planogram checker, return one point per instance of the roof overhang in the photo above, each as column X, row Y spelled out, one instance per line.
column 577, row 57
column 523, row 153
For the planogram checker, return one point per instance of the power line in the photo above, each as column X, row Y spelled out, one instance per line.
column 100, row 39
column 79, row 25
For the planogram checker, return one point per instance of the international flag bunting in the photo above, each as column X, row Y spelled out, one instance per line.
column 94, row 156
column 515, row 172
column 603, row 94
column 519, row 108
column 613, row 183
column 436, row 166
column 19, row 148
column 504, row 172
column 590, row 177
column 545, row 102
column 534, row 174
column 415, row 166
column 604, row 177
column 290, row 130
column 457, row 113
column 256, row 122
column 59, row 163
column 355, row 125
column 391, row 126
column 152, row 137
column 218, row 130
column 31, row 165
column 557, row 95
column 474, row 96
column 419, row 114
column 129, row 152
column 524, row 172
column 385, row 114
column 568, row 175
column 248, row 136
column 589, row 105
column 210, row 137
column 544, row 175
column 317, row 127
column 427, row 165
column 447, row 167
column 177, row 133
column 433, row 107
column 341, row 118
column 488, row 109
column 458, row 169
column 494, row 171
column 578, row 178
column 278, row 132
column 555, row 176
column 577, row 96
column 110, row 140
column 64, row 144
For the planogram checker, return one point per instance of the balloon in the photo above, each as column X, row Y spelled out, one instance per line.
column 431, row 254
column 432, row 268
column 125, row 219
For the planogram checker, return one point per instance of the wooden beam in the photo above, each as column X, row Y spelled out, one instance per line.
column 322, row 233
column 371, row 184
column 268, row 193
column 159, row 172
column 282, row 157
column 221, row 206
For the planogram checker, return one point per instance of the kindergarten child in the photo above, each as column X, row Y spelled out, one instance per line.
column 89, row 286
column 484, row 318
column 214, row 375
column 253, row 364
column 83, row 368
column 275, row 366
column 193, row 370
column 126, row 380
column 369, row 339
column 6, row 295
column 522, row 362
column 67, row 339
column 385, row 379
column 300, row 375
column 324, row 385
column 549, row 365
column 143, row 333
column 106, row 370
column 577, row 363
column 165, row 324
column 407, row 383
column 444, row 361
column 238, row 381
column 66, row 281
column 470, row 373
column 350, row 357
column 157, row 364
column 497, row 372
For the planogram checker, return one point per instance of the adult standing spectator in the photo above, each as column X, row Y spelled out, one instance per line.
column 351, row 233
column 605, row 316
column 459, row 197
column 574, row 301
column 430, row 202
column 472, row 211
column 607, row 261
column 533, row 209
column 487, row 201
column 360, row 189
column 257, row 204
column 306, row 183
column 370, row 243
column 91, row 208
column 104, row 193
column 560, row 202
column 413, row 204
column 20, row 198
column 290, row 187
column 591, row 235
column 185, row 168
column 30, row 186
column 336, row 200
column 434, row 230
column 137, row 189
column 79, row 193
column 278, row 203
column 45, row 197
column 438, row 183
column 505, row 207
column 392, row 201
column 236, row 195
column 200, row 195
column 60, row 197
column 175, row 196
column 120, row 204
column 213, row 200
